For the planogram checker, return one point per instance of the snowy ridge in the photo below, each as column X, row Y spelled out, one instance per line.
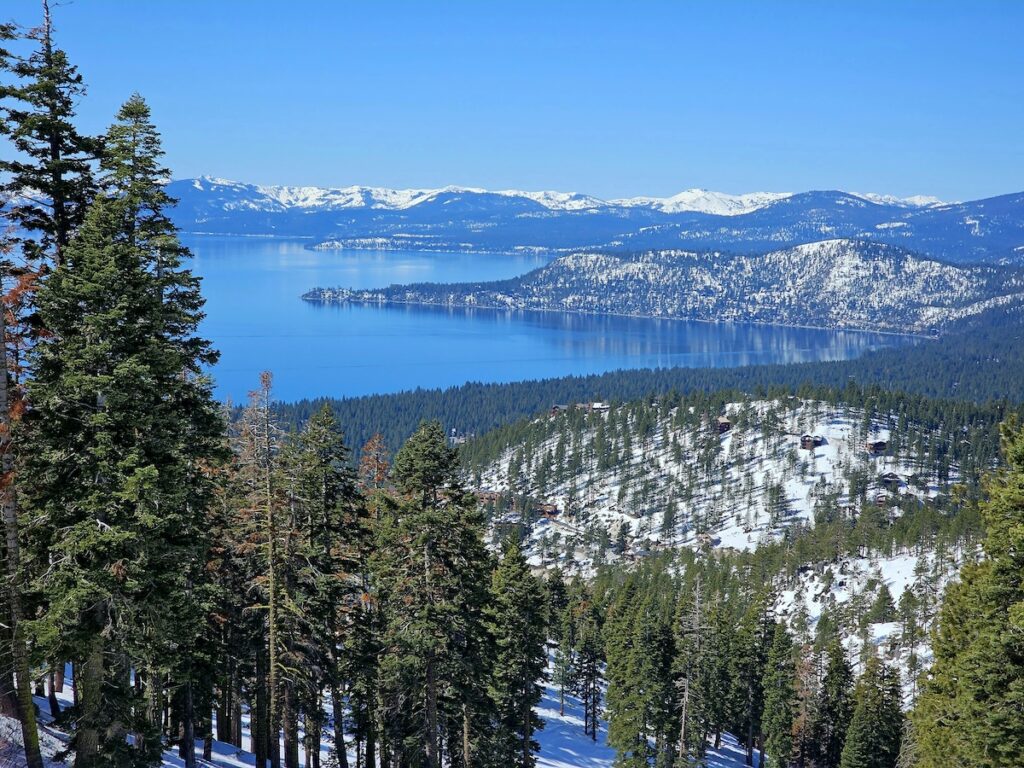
column 836, row 283
column 705, row 201
column 276, row 197
column 914, row 201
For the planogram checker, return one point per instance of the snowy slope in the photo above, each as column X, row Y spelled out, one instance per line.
column 836, row 283
column 704, row 201
column 735, row 490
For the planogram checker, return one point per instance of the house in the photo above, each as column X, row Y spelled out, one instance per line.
column 881, row 499
column 558, row 408
column 876, row 447
column 890, row 481
column 810, row 442
column 487, row 497
column 549, row 511
column 724, row 425
column 600, row 407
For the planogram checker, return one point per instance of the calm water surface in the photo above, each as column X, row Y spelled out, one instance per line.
column 258, row 322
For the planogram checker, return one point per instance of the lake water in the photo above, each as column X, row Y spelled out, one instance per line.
column 258, row 321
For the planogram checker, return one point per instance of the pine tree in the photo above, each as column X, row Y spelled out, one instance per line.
column 779, row 698
column 37, row 113
column 517, row 621
column 834, row 707
column 968, row 712
column 326, row 581
column 748, row 659
column 432, row 571
column 262, row 537
column 23, row 705
column 873, row 738
column 121, row 426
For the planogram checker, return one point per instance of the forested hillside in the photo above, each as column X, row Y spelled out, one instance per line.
column 831, row 284
column 710, row 471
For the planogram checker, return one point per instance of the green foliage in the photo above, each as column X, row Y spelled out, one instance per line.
column 779, row 698
column 517, row 622
column 968, row 712
column 121, row 424
column 873, row 738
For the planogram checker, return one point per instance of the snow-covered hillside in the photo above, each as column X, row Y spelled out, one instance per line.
column 832, row 283
column 774, row 465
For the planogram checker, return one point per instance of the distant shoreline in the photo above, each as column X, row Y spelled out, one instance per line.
column 635, row 316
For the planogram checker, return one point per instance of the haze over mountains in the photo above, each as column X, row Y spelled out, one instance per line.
column 469, row 219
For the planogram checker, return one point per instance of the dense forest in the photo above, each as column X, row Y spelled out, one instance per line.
column 201, row 575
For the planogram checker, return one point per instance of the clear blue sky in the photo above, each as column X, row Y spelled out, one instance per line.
column 612, row 99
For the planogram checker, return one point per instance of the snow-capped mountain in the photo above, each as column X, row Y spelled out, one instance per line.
column 833, row 284
column 704, row 201
column 271, row 197
column 471, row 219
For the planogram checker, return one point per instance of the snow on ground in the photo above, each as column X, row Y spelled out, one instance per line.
column 562, row 741
column 735, row 490
column 564, row 745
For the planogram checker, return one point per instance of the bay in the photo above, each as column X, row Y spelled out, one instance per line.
column 258, row 321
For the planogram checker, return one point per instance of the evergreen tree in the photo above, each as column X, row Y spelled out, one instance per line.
column 748, row 660
column 19, row 676
column 873, row 738
column 326, row 582
column 432, row 567
column 834, row 707
column 968, row 712
column 37, row 113
column 516, row 619
column 883, row 608
column 779, row 698
column 121, row 426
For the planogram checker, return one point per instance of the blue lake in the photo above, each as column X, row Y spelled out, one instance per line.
column 258, row 321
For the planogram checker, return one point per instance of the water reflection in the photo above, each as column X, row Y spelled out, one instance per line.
column 257, row 320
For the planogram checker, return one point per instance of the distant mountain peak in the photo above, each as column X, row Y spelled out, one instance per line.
column 914, row 201
column 695, row 200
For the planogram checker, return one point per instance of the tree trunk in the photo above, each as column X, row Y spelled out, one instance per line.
column 9, row 506
column 187, row 746
column 155, row 702
column 259, row 729
column 527, row 731
column 338, row 708
column 371, row 729
column 466, row 747
column 430, row 716
column 207, row 732
column 290, row 718
column 89, row 684
column 236, row 707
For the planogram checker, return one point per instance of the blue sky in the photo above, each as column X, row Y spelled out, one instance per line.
column 613, row 99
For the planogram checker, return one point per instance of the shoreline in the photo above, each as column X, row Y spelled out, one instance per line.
column 636, row 316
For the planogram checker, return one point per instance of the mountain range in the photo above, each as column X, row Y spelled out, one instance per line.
column 470, row 219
